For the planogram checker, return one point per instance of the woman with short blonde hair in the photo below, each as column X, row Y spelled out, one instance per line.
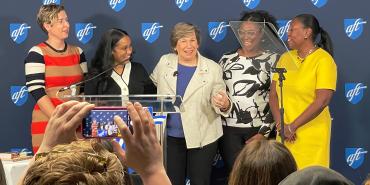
column 50, row 66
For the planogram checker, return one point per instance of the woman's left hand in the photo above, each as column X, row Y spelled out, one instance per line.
column 290, row 132
column 62, row 125
column 221, row 101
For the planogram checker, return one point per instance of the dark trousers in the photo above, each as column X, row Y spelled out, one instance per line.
column 195, row 164
column 232, row 142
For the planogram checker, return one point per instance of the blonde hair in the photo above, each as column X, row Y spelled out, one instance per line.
column 47, row 13
column 182, row 29
column 80, row 162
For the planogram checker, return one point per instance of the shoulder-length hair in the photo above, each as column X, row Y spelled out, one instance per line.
column 262, row 162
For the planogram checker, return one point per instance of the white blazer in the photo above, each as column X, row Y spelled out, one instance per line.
column 201, row 120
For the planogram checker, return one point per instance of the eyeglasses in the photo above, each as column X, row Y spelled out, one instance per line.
column 247, row 33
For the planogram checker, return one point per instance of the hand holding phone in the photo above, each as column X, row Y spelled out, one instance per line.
column 99, row 122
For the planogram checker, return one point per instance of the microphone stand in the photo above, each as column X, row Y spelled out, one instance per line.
column 281, row 72
column 72, row 86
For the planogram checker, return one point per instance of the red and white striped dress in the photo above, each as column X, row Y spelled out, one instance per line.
column 48, row 70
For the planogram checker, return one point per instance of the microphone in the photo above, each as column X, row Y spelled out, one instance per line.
column 73, row 86
column 175, row 73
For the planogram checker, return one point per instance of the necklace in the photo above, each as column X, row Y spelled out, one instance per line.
column 57, row 50
column 309, row 52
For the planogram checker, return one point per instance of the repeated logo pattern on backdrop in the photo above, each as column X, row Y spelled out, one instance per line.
column 283, row 28
column 84, row 32
column 117, row 5
column 19, row 95
column 18, row 32
column 184, row 5
column 354, row 92
column 354, row 27
column 355, row 157
column 251, row 4
column 45, row 2
column 150, row 31
column 319, row 3
column 215, row 28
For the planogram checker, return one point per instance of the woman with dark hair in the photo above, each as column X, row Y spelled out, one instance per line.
column 246, row 73
column 262, row 162
column 112, row 71
column 307, row 92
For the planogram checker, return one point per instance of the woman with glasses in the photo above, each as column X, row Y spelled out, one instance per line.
column 246, row 73
column 50, row 66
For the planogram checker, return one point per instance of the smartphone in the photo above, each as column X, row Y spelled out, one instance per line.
column 99, row 122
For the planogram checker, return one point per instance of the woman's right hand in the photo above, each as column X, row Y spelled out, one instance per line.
column 143, row 151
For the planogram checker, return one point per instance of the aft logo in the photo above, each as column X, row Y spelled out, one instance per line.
column 187, row 181
column 355, row 157
column 46, row 2
column 354, row 92
column 19, row 95
column 84, row 32
column 283, row 29
column 251, row 4
column 184, row 4
column 353, row 27
column 18, row 32
column 150, row 31
column 117, row 5
column 218, row 162
column 319, row 3
column 217, row 30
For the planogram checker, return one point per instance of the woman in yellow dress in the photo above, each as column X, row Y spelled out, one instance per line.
column 307, row 92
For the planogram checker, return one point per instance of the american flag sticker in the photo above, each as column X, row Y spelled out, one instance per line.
column 99, row 123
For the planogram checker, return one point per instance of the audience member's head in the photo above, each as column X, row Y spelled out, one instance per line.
column 262, row 162
column 316, row 175
column 367, row 180
column 80, row 162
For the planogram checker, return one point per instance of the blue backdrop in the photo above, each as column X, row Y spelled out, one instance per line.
column 149, row 23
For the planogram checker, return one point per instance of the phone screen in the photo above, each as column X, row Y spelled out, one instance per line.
column 99, row 122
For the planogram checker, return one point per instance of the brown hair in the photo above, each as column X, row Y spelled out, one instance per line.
column 81, row 162
column 182, row 29
column 262, row 162
column 47, row 13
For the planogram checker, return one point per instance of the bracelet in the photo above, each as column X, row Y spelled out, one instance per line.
column 289, row 128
